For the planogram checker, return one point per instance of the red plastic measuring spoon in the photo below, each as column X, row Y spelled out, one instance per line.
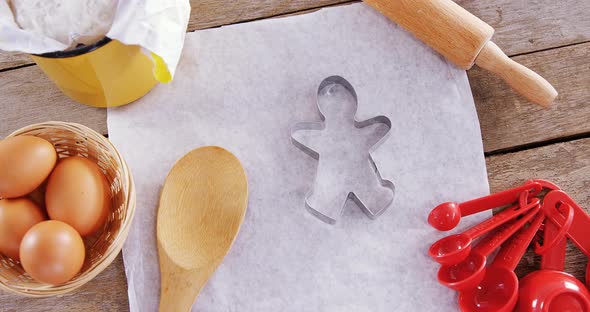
column 555, row 236
column 545, row 184
column 498, row 291
column 553, row 249
column 550, row 290
column 455, row 248
column 446, row 216
column 578, row 232
column 469, row 272
column 554, row 204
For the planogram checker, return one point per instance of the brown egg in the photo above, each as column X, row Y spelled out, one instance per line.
column 17, row 216
column 25, row 162
column 77, row 193
column 52, row 252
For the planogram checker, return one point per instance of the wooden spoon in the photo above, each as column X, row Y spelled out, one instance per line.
column 202, row 205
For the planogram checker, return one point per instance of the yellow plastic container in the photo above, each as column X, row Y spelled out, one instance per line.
column 105, row 74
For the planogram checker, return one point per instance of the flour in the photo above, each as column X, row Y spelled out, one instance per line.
column 71, row 22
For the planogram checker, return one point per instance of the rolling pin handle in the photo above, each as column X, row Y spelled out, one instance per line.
column 525, row 81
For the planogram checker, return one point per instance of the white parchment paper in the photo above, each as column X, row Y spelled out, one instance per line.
column 242, row 87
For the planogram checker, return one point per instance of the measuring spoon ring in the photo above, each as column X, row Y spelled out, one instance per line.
column 554, row 204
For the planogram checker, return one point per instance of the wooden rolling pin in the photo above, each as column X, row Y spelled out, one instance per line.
column 464, row 39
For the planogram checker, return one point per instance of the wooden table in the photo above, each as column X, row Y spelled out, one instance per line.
column 521, row 140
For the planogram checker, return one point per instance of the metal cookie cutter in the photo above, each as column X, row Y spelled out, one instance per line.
column 343, row 146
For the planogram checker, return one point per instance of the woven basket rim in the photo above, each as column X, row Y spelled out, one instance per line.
column 117, row 244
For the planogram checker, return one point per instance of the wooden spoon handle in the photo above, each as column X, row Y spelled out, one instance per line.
column 520, row 78
column 180, row 287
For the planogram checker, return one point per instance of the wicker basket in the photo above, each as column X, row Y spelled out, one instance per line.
column 101, row 249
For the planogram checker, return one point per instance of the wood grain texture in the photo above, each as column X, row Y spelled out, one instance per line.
column 531, row 25
column 107, row 292
column 566, row 164
column 13, row 59
column 28, row 97
column 213, row 13
column 509, row 120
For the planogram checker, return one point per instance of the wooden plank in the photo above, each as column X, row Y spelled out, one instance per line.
column 13, row 59
column 566, row 164
column 106, row 292
column 508, row 120
column 213, row 13
column 521, row 26
column 533, row 25
column 28, row 96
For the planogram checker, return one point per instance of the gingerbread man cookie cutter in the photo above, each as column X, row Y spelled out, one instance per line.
column 343, row 174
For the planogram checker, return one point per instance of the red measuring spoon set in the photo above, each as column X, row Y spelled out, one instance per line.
column 537, row 210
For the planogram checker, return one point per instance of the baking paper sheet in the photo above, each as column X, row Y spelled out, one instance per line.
column 242, row 87
column 157, row 25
